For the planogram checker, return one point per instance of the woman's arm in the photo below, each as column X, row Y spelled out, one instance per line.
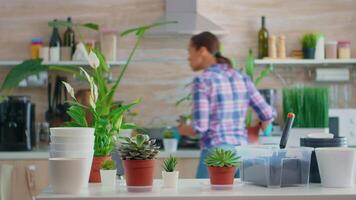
column 264, row 111
column 200, row 111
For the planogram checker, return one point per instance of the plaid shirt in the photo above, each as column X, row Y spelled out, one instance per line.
column 221, row 97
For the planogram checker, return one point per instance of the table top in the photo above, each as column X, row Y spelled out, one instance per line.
column 200, row 189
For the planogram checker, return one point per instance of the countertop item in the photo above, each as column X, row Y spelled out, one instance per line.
column 316, row 143
column 200, row 189
column 271, row 166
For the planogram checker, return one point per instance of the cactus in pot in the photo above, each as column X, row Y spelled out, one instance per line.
column 222, row 166
column 138, row 154
column 170, row 175
column 108, row 173
column 170, row 142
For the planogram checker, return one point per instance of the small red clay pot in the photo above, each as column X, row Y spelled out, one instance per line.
column 95, row 168
column 221, row 175
column 139, row 172
column 253, row 134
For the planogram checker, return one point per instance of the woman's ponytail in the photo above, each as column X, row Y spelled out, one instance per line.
column 222, row 60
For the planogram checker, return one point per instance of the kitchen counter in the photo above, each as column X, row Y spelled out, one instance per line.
column 200, row 189
column 42, row 153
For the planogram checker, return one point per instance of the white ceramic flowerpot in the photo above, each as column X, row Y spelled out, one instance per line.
column 108, row 177
column 170, row 179
column 67, row 175
column 170, row 145
column 73, row 132
column 336, row 166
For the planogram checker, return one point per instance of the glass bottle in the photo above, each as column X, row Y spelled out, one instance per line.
column 263, row 39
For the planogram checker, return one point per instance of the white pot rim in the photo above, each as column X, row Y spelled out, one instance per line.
column 67, row 128
column 335, row 149
column 108, row 170
column 174, row 172
column 65, row 159
column 169, row 138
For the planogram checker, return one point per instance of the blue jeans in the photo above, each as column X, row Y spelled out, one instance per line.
column 202, row 171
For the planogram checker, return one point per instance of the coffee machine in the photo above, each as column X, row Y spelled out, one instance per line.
column 17, row 117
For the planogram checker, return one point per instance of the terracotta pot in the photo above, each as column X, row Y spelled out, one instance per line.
column 95, row 168
column 221, row 175
column 139, row 172
column 253, row 134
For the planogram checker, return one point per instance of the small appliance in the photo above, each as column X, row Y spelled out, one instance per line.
column 17, row 116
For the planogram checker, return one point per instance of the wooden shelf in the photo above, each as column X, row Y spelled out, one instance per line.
column 303, row 62
column 62, row 63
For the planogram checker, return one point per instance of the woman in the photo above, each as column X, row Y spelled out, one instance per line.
column 221, row 97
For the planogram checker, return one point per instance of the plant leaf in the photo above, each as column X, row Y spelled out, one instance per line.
column 77, row 113
column 90, row 25
column 264, row 73
column 250, row 65
column 21, row 72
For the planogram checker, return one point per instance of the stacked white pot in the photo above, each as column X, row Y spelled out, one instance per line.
column 71, row 156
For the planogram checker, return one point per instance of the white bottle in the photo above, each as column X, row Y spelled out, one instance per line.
column 54, row 54
column 320, row 48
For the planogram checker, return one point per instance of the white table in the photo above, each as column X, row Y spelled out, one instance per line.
column 200, row 189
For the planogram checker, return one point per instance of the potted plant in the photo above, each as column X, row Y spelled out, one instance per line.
column 138, row 154
column 222, row 166
column 309, row 41
column 108, row 173
column 107, row 115
column 170, row 175
column 170, row 143
column 252, row 124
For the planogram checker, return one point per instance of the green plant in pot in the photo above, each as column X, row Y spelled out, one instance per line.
column 253, row 126
column 169, row 173
column 170, row 142
column 309, row 42
column 108, row 173
column 138, row 154
column 222, row 166
column 107, row 115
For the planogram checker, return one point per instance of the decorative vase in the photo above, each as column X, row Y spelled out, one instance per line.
column 170, row 145
column 108, row 177
column 309, row 53
column 139, row 174
column 221, row 175
column 253, row 134
column 95, row 168
column 170, row 179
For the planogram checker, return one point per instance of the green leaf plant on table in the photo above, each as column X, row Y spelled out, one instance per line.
column 222, row 166
column 169, row 173
column 107, row 115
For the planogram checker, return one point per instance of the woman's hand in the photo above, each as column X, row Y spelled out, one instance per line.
column 264, row 125
column 186, row 130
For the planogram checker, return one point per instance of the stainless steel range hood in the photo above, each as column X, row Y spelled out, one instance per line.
column 190, row 22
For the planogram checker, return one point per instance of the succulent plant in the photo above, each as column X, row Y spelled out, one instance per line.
column 169, row 164
column 222, row 158
column 168, row 133
column 108, row 165
column 139, row 147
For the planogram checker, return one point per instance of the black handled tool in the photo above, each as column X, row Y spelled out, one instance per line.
column 286, row 129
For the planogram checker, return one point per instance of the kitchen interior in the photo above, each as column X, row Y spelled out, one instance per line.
column 303, row 52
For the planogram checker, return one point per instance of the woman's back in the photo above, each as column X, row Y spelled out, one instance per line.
column 221, row 97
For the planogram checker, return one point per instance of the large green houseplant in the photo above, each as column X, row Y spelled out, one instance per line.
column 107, row 115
